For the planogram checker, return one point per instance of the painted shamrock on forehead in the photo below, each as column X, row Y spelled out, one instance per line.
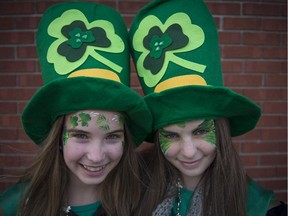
column 84, row 118
column 103, row 122
column 159, row 43
column 181, row 124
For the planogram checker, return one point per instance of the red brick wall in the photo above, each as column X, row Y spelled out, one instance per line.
column 253, row 40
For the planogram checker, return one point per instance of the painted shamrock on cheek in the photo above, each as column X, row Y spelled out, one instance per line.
column 207, row 127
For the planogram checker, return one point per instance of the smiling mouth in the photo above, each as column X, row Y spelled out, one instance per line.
column 190, row 163
column 93, row 169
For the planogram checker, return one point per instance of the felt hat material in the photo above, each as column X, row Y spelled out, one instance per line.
column 85, row 64
column 174, row 45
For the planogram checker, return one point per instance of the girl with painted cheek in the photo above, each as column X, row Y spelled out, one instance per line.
column 93, row 144
column 92, row 147
column 195, row 169
column 85, row 119
column 190, row 147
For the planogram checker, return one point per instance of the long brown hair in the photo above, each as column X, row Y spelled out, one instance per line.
column 220, row 198
column 48, row 177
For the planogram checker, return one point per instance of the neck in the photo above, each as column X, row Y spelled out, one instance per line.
column 190, row 182
column 81, row 194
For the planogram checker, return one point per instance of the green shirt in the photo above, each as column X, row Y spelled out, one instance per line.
column 186, row 196
column 86, row 210
column 10, row 200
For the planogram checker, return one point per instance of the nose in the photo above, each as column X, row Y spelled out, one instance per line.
column 96, row 152
column 188, row 147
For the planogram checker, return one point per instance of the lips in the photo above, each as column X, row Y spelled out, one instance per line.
column 93, row 168
column 190, row 164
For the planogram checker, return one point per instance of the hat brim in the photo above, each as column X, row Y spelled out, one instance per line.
column 202, row 102
column 65, row 96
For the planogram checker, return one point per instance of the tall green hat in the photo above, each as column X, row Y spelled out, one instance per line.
column 85, row 63
column 174, row 45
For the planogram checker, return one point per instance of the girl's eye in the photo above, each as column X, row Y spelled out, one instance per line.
column 201, row 132
column 114, row 137
column 168, row 135
column 204, row 128
column 79, row 136
column 172, row 136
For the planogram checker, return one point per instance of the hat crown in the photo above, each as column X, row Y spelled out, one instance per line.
column 85, row 62
column 176, row 53
column 83, row 39
column 175, row 43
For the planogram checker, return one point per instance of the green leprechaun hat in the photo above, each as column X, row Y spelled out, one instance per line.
column 85, row 63
column 174, row 45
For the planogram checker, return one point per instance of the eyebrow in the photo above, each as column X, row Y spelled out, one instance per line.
column 167, row 131
column 82, row 131
column 116, row 131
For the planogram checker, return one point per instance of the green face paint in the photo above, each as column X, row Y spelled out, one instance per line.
column 74, row 121
column 65, row 136
column 165, row 143
column 207, row 128
column 181, row 124
column 85, row 118
column 121, row 121
column 102, row 123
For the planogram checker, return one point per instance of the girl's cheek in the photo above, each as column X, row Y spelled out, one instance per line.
column 171, row 150
column 165, row 145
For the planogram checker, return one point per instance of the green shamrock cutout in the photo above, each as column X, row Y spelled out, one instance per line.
column 76, row 40
column 158, row 44
column 78, row 37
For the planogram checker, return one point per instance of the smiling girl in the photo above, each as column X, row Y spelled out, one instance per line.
column 85, row 119
column 195, row 168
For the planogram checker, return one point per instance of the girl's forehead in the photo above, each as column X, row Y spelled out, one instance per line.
column 95, row 113
column 97, row 119
column 185, row 124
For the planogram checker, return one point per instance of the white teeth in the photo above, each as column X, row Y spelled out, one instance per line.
column 94, row 169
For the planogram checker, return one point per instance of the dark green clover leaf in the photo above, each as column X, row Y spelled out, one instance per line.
column 78, row 37
column 159, row 43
